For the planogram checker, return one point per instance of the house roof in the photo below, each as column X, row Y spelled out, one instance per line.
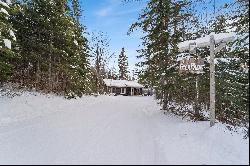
column 122, row 83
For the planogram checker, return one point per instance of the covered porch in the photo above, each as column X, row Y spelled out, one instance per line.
column 126, row 91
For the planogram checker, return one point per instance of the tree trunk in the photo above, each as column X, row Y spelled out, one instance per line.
column 50, row 74
column 197, row 112
column 38, row 73
column 97, row 68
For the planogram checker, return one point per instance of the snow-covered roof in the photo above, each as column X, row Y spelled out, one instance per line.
column 122, row 83
column 205, row 41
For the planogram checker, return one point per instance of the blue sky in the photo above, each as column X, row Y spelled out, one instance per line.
column 114, row 17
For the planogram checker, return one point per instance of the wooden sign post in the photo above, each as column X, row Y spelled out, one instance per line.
column 212, row 82
column 209, row 40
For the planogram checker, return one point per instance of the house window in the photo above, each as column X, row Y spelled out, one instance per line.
column 123, row 90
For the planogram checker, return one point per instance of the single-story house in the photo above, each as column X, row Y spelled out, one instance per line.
column 123, row 87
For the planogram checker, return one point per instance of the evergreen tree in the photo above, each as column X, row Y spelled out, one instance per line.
column 165, row 24
column 123, row 65
column 53, row 51
column 232, row 76
column 80, row 73
column 6, row 38
column 76, row 9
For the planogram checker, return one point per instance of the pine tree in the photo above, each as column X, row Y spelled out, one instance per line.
column 80, row 66
column 232, row 77
column 165, row 23
column 53, row 51
column 6, row 38
column 76, row 9
column 123, row 65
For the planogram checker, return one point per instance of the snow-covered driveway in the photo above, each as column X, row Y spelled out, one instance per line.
column 108, row 130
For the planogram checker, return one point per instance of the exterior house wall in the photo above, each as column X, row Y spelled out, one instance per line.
column 123, row 87
column 127, row 91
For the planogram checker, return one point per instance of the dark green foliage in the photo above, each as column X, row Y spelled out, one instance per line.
column 166, row 23
column 123, row 65
column 52, row 50
column 6, row 40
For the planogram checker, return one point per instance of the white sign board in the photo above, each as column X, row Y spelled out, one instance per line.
column 192, row 65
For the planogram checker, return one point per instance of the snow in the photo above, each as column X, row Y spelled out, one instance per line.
column 122, row 83
column 205, row 41
column 7, row 43
column 230, row 27
column 4, row 4
column 222, row 60
column 4, row 11
column 12, row 34
column 45, row 129
column 182, row 56
column 8, row 2
column 75, row 42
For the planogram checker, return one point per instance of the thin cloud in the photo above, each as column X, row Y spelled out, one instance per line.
column 104, row 12
column 114, row 8
column 109, row 11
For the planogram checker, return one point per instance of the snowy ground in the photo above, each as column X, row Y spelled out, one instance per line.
column 109, row 130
